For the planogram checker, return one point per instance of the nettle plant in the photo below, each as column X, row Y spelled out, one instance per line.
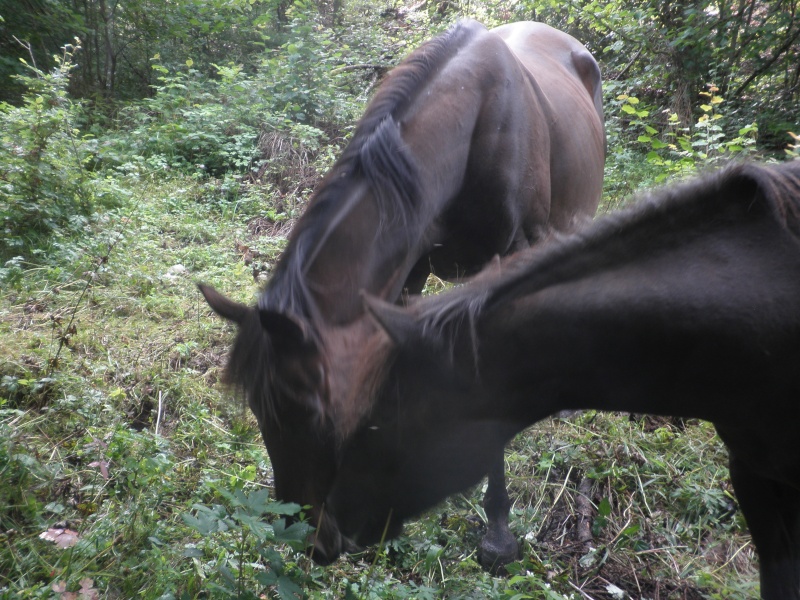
column 239, row 556
column 679, row 149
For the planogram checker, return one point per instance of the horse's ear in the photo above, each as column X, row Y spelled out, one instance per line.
column 397, row 322
column 224, row 307
column 284, row 330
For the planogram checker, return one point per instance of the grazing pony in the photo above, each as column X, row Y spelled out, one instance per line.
column 686, row 305
column 479, row 143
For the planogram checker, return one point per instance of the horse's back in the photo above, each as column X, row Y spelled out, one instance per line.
column 523, row 101
column 566, row 79
column 546, row 52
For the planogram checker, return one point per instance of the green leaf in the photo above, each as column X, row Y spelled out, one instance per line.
column 604, row 508
column 192, row 552
column 202, row 525
column 288, row 589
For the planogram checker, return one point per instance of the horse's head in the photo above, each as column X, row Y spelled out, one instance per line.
column 424, row 436
column 278, row 363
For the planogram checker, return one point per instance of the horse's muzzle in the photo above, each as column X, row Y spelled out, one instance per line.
column 325, row 543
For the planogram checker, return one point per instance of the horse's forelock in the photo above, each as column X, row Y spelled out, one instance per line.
column 253, row 371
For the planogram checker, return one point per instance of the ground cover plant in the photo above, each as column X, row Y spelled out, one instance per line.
column 127, row 470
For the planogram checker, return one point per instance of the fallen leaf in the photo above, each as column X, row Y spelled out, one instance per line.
column 615, row 592
column 63, row 538
column 87, row 591
column 103, row 464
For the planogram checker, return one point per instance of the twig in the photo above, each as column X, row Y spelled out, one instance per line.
column 53, row 362
column 584, row 510
column 556, row 499
column 27, row 46
column 621, row 75
column 644, row 496
column 63, row 338
column 580, row 591
column 158, row 414
column 735, row 554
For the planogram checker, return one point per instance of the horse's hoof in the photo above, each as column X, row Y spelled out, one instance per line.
column 496, row 551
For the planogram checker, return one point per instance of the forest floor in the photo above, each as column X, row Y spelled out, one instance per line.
column 119, row 445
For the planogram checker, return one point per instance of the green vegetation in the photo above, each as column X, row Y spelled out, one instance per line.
column 125, row 468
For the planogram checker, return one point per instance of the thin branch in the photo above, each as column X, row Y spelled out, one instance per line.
column 374, row 67
column 768, row 64
column 27, row 46
column 621, row 74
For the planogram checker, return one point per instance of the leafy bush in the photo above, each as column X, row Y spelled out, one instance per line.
column 647, row 144
column 45, row 183
column 214, row 126
column 190, row 124
column 680, row 149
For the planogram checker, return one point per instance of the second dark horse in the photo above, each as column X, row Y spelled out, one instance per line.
column 479, row 143
column 687, row 305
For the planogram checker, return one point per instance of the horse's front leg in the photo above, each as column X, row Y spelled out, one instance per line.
column 772, row 512
column 499, row 546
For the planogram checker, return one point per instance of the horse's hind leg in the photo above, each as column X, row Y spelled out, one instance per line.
column 499, row 546
column 772, row 511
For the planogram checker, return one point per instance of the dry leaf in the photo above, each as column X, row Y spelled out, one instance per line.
column 87, row 591
column 63, row 538
column 103, row 464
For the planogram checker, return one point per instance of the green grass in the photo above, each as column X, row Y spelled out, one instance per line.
column 113, row 425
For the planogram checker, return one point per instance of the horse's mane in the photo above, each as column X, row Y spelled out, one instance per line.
column 774, row 189
column 376, row 154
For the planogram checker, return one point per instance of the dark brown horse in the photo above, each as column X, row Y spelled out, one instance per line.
column 686, row 305
column 479, row 143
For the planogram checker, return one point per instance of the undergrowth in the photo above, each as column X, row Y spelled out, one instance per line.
column 127, row 452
